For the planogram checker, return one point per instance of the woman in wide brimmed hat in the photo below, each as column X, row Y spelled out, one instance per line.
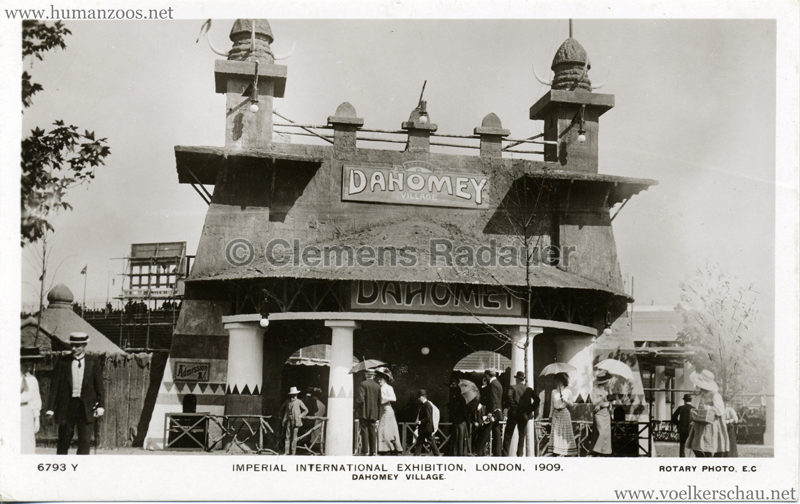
column 601, row 408
column 562, row 436
column 388, row 432
column 708, row 435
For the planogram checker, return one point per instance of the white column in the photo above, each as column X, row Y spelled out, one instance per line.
column 677, row 397
column 660, row 383
column 519, row 336
column 577, row 350
column 245, row 364
column 339, row 431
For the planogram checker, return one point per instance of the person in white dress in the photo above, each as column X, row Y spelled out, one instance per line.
column 30, row 401
column 388, row 432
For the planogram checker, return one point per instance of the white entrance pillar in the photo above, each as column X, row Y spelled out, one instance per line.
column 245, row 364
column 519, row 336
column 339, row 431
column 660, row 383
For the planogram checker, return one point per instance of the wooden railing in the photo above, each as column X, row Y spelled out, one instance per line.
column 207, row 432
column 240, row 433
column 254, row 434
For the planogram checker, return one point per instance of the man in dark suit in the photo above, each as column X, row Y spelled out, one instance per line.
column 494, row 412
column 520, row 404
column 76, row 396
column 425, row 427
column 682, row 417
column 368, row 412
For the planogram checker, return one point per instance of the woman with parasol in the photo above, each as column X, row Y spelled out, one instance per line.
column 388, row 432
column 601, row 410
column 708, row 435
column 562, row 437
column 605, row 370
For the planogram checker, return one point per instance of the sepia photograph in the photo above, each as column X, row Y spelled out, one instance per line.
column 281, row 237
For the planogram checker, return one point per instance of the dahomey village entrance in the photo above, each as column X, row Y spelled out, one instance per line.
column 478, row 289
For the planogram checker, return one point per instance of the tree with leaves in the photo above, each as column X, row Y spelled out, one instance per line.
column 54, row 160
column 718, row 316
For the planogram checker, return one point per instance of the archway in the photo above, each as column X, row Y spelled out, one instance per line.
column 307, row 369
column 473, row 366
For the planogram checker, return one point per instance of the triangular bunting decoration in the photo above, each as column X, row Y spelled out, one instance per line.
column 256, row 391
column 341, row 393
column 203, row 387
column 246, row 390
column 214, row 387
column 168, row 386
column 331, row 393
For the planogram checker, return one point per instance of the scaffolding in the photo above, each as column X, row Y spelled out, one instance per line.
column 151, row 292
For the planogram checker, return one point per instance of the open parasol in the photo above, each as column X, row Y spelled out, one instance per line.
column 366, row 364
column 616, row 367
column 469, row 390
column 556, row 368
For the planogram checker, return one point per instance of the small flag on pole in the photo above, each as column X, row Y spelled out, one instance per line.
column 83, row 271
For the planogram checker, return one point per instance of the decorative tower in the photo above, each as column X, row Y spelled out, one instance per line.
column 419, row 128
column 571, row 111
column 250, row 79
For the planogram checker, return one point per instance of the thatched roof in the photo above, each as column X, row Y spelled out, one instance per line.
column 59, row 320
column 416, row 236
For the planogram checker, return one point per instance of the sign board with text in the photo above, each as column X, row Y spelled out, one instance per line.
column 414, row 183
column 369, row 295
column 191, row 371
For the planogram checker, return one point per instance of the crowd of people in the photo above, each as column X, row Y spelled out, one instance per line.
column 476, row 415
column 706, row 423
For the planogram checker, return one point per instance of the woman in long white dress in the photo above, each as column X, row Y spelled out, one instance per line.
column 601, row 408
column 563, row 438
column 388, row 433
column 30, row 407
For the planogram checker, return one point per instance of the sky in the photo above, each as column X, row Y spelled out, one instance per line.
column 695, row 110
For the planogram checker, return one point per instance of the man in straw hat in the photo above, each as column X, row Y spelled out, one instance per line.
column 76, row 396
column 292, row 413
column 682, row 418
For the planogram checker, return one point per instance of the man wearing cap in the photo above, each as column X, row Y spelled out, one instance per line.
column 494, row 409
column 76, row 396
column 292, row 413
column 682, row 417
column 368, row 412
column 520, row 405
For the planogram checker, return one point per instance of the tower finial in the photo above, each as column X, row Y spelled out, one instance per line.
column 570, row 28
column 251, row 41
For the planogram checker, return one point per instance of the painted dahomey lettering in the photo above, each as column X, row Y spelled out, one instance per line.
column 459, row 299
column 413, row 185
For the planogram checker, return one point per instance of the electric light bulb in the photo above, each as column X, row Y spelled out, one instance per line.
column 425, row 350
column 254, row 107
column 264, row 322
column 582, row 138
column 607, row 331
column 423, row 119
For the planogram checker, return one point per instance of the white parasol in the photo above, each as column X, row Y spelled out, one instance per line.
column 557, row 368
column 616, row 367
